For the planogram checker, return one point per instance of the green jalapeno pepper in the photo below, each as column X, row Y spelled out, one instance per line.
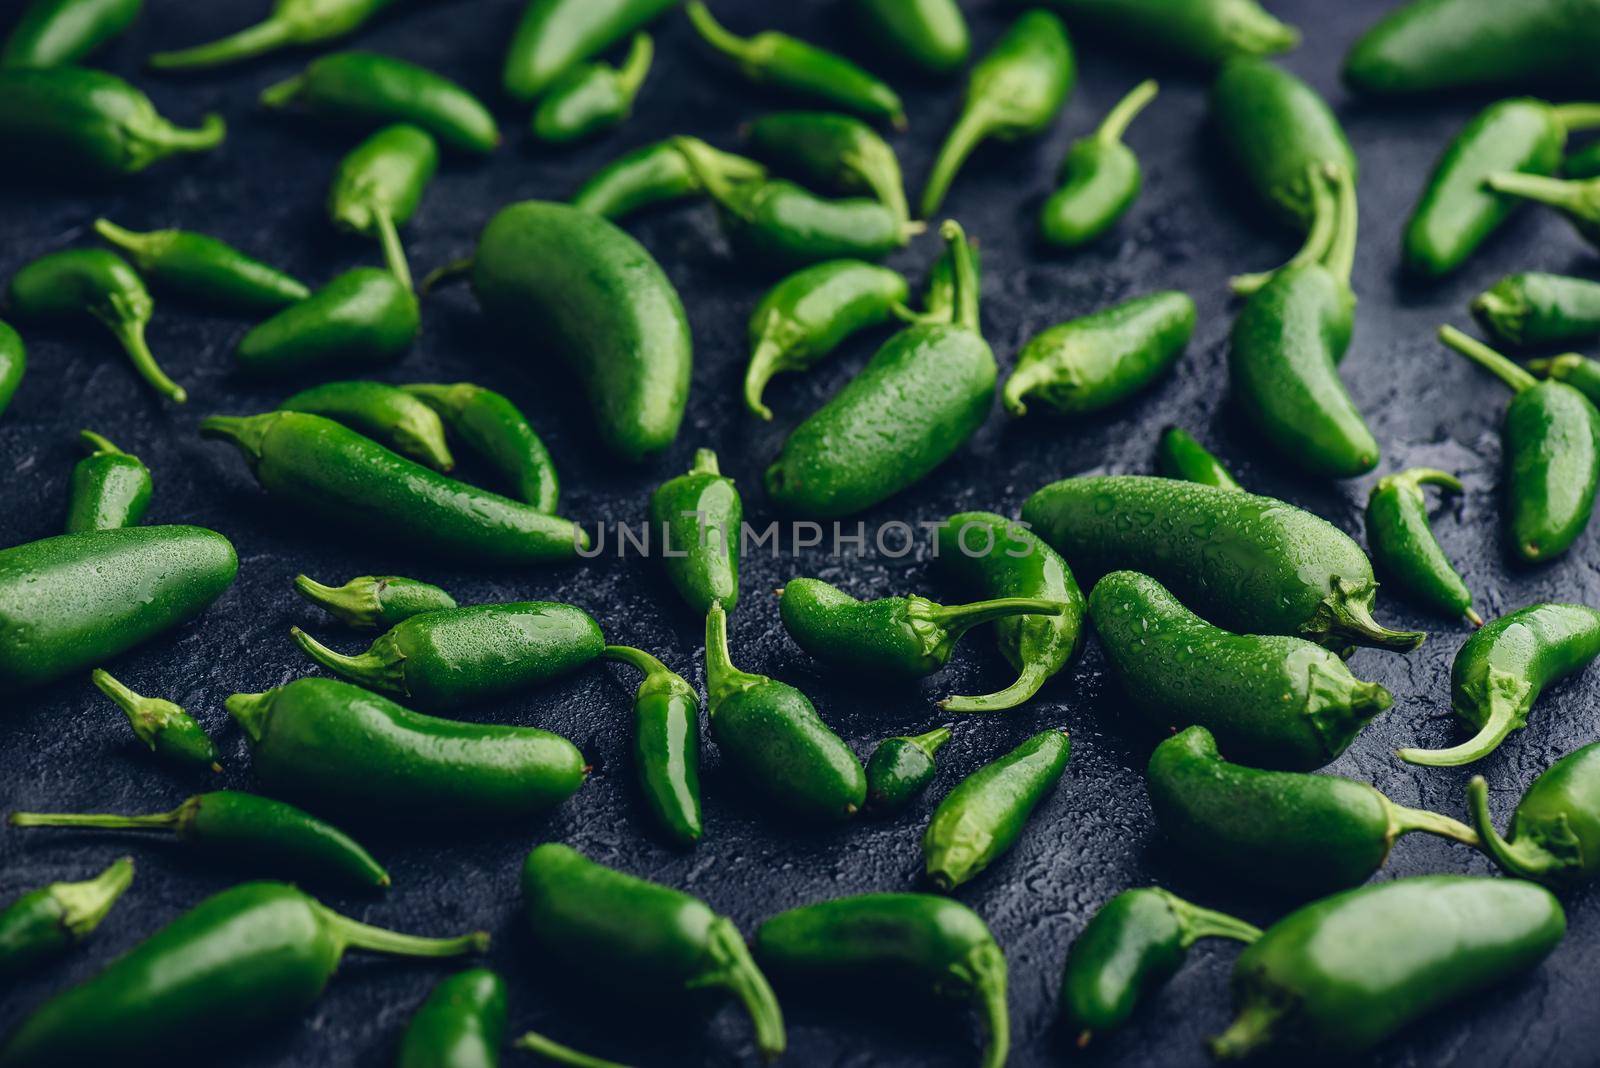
column 291, row 23
column 1200, row 32
column 13, row 364
column 109, row 489
column 832, row 152
column 1280, row 701
column 374, row 601
column 1005, row 559
column 338, row 747
column 555, row 35
column 982, row 818
column 928, row 34
column 364, row 317
column 1404, row 547
column 73, row 601
column 456, row 656
column 1179, row 455
column 242, row 829
column 666, row 744
column 1555, row 831
column 639, row 937
column 1583, row 163
column 1101, row 359
column 41, row 926
column 805, row 317
column 654, row 174
column 1101, row 177
column 771, row 733
column 1130, row 948
column 1013, row 92
column 252, row 956
column 901, row 768
column 203, row 268
column 461, row 1025
column 495, row 429
column 1310, row 984
column 700, row 517
column 346, row 478
column 1503, row 668
column 378, row 186
column 381, row 412
column 1579, row 372
column 97, row 283
column 57, row 33
column 550, row 1049
column 1579, row 201
column 1552, row 460
column 375, row 90
column 917, row 401
column 790, row 64
column 164, row 727
column 932, row 944
column 1308, row 834
column 1536, row 309
column 593, row 97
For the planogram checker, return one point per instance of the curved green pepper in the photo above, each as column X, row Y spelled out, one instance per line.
column 1403, row 544
column 666, row 744
column 365, row 317
column 901, row 768
column 461, row 1025
column 832, row 152
column 164, row 727
column 654, row 174
column 198, row 266
column 1538, row 309
column 1179, row 455
column 592, row 97
column 927, row 34
column 701, row 519
column 378, row 186
column 1101, row 177
column 1201, row 32
column 57, row 33
column 1555, row 831
column 43, row 925
column 1579, row 201
column 110, row 488
column 495, row 429
column 292, row 22
column 555, row 35
column 13, row 364
column 382, row 412
column 373, row 601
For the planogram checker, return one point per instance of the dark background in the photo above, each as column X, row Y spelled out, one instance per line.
column 67, row 748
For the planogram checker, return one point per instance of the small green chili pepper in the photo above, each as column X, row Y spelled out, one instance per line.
column 792, row 65
column 1130, row 948
column 984, row 815
column 1535, row 309
column 339, row 747
column 1555, row 830
column 1502, row 669
column 1337, row 977
column 1101, row 359
column 1013, row 92
column 593, row 97
column 57, row 33
column 1179, row 455
column 700, row 517
column 460, row 655
column 365, row 316
column 461, row 1025
column 256, row 832
column 13, row 364
column 548, row 1048
column 1309, row 834
column 772, row 734
column 928, row 34
column 195, row 265
column 1101, row 175
column 901, row 768
column 73, row 601
column 666, row 744
column 1403, row 544
column 381, row 412
column 1579, row 201
column 94, row 282
column 929, row 943
column 43, row 925
column 341, row 476
column 254, row 955
column 374, row 601
column 292, row 22
column 809, row 314
column 110, row 488
column 832, row 152
column 1583, row 163
column 555, row 35
column 654, row 174
column 1201, row 32
column 1552, row 459
column 1280, row 701
column 495, row 429
column 1579, row 372
column 375, row 90
column 629, row 934
column 164, row 727
column 378, row 186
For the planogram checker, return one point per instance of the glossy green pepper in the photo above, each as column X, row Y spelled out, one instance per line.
column 792, row 65
column 922, row 942
column 770, row 732
column 249, row 831
column 456, row 656
column 593, row 97
column 1201, row 32
column 701, row 520
column 1502, row 669
column 94, row 282
column 73, row 601
column 930, row 35
column 345, row 478
column 382, row 412
column 901, row 768
column 1313, row 985
column 1101, row 359
column 1308, row 834
column 374, row 601
column 338, row 747
column 110, row 488
column 1552, row 460
column 1253, row 564
column 1130, row 948
column 1583, row 163
column 1555, row 830
column 917, row 401
column 1579, row 372
column 1538, row 309
column 555, row 35
column 41, row 926
column 461, row 1025
column 13, row 364
column 254, row 955
column 495, row 429
column 809, row 314
column 84, row 124
column 1579, row 201
column 1013, row 92
column 365, row 317
column 164, row 727
column 1101, row 176
column 831, row 152
column 666, row 744
column 1004, row 559
column 1179, row 455
column 1279, row 701
column 203, row 268
column 375, row 90
column 641, row 938
column 1403, row 545
column 56, row 33
column 292, row 22
column 378, row 186
column 656, row 173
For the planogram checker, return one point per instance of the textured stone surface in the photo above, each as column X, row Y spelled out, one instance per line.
column 67, row 748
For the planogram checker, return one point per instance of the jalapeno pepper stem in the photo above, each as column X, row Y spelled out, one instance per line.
column 1324, row 221
column 251, row 41
column 1425, row 476
column 635, row 67
column 454, row 271
column 1403, row 821
column 767, row 360
column 83, row 905
column 722, row 678
column 1252, row 31
column 1115, row 124
column 986, row 975
column 1344, row 616
column 357, row 935
column 1579, row 198
column 969, row 130
column 1029, row 680
column 165, row 136
column 1577, row 116
column 1340, row 259
column 960, row 618
column 1508, row 699
column 1487, row 358
column 104, row 821
column 638, row 658
column 98, row 444
column 716, row 35
column 932, row 741
column 963, row 276
column 1251, row 1030
column 737, row 973
column 1195, row 922
column 534, row 1042
column 250, row 711
column 356, row 599
column 147, row 715
column 1511, row 856
column 380, row 667
column 130, row 333
column 394, row 253
column 244, row 431
column 135, row 244
column 1554, row 366
column 281, row 94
